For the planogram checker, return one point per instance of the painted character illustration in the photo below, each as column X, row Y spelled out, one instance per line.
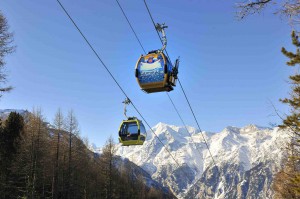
column 150, row 60
column 151, row 69
column 151, row 64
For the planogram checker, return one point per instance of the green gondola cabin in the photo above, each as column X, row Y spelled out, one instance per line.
column 132, row 132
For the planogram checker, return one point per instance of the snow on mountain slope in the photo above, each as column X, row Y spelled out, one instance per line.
column 4, row 113
column 244, row 148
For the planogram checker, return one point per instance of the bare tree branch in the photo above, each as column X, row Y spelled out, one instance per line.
column 6, row 47
column 251, row 7
column 289, row 9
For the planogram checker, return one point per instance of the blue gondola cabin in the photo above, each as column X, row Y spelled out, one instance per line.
column 155, row 73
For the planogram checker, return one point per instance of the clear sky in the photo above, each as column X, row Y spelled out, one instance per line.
column 230, row 69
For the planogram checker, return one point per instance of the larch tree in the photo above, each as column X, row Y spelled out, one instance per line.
column 58, row 125
column 6, row 47
column 109, row 170
column 72, row 128
column 37, row 132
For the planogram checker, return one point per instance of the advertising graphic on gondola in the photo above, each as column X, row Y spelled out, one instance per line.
column 151, row 68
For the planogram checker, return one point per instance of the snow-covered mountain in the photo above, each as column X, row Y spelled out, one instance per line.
column 246, row 159
column 4, row 113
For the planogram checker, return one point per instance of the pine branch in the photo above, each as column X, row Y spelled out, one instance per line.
column 295, row 39
column 287, row 53
column 280, row 126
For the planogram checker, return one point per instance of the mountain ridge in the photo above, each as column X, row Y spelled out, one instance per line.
column 246, row 159
column 242, row 148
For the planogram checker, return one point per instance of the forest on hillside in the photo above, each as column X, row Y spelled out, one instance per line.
column 38, row 160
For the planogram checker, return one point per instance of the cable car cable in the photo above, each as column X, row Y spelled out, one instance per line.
column 178, row 80
column 89, row 44
column 213, row 160
column 155, row 27
column 145, row 52
column 197, row 122
column 66, row 12
column 131, row 26
column 169, row 58
column 185, row 125
column 182, row 88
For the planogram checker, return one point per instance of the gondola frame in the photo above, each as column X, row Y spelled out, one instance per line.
column 140, row 138
column 166, row 84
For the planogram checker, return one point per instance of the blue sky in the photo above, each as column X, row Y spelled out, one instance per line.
column 230, row 69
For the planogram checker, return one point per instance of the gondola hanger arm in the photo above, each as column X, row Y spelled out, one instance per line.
column 126, row 102
column 161, row 28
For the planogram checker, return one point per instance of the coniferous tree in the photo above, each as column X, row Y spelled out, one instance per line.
column 292, row 121
column 10, row 136
column 13, row 127
column 287, row 181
